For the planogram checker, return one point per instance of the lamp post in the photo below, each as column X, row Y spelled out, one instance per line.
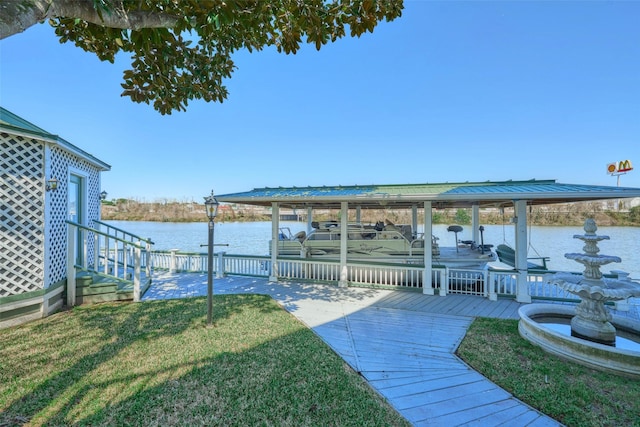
column 211, row 205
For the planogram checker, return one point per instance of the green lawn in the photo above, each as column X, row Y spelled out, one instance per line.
column 572, row 394
column 156, row 363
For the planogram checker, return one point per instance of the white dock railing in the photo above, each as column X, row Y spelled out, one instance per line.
column 115, row 252
column 405, row 276
column 127, row 258
column 503, row 283
column 489, row 282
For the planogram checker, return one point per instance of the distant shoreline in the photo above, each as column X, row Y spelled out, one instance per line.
column 560, row 215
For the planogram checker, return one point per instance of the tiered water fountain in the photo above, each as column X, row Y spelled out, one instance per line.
column 597, row 338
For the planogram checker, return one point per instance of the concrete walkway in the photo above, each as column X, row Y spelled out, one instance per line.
column 402, row 343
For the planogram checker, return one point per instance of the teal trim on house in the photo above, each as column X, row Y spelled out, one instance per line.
column 10, row 120
column 12, row 123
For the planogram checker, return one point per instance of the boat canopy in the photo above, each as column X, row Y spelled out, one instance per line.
column 442, row 195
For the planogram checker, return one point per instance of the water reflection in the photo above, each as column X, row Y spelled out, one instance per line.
column 624, row 341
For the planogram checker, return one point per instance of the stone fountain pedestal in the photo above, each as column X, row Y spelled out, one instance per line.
column 593, row 328
column 593, row 320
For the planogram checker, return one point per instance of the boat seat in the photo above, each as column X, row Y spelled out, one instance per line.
column 507, row 255
column 455, row 229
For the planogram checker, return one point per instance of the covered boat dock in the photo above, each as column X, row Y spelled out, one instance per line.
column 472, row 195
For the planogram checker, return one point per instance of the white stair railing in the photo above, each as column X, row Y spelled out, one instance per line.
column 116, row 255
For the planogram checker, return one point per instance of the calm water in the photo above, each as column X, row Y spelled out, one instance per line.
column 252, row 238
column 624, row 341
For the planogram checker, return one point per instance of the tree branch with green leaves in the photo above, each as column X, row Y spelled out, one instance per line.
column 181, row 50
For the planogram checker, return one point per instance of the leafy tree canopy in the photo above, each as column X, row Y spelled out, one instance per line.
column 181, row 49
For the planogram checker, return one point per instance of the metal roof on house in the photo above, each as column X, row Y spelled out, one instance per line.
column 442, row 195
column 14, row 124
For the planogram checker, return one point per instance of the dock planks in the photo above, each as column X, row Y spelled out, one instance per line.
column 408, row 357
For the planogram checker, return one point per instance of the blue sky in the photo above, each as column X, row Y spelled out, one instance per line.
column 451, row 91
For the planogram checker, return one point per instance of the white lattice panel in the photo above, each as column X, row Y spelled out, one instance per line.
column 21, row 215
column 33, row 231
column 60, row 163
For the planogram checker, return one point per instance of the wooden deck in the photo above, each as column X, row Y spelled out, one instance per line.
column 401, row 342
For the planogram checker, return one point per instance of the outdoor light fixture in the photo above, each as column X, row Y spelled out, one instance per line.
column 211, row 204
column 103, row 195
column 52, row 184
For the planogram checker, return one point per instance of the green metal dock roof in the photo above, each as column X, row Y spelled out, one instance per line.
column 442, row 195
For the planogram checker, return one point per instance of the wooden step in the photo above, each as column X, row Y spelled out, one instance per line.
column 83, row 278
column 92, row 287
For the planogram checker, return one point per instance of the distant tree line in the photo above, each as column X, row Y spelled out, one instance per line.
column 173, row 211
column 186, row 211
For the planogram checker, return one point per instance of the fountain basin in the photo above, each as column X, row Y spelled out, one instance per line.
column 588, row 353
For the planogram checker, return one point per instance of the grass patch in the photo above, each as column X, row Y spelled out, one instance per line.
column 570, row 393
column 156, row 363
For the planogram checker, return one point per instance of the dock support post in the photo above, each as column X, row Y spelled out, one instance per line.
column 275, row 225
column 522, row 287
column 427, row 278
column 173, row 263
column 344, row 234
column 475, row 222
column 220, row 267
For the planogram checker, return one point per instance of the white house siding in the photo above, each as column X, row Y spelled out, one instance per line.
column 21, row 215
